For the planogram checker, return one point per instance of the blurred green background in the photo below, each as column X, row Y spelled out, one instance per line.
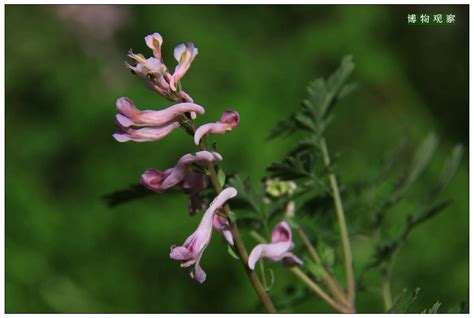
column 66, row 251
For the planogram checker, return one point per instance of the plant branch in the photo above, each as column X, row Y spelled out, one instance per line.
column 318, row 291
column 240, row 247
column 330, row 281
column 346, row 247
column 188, row 125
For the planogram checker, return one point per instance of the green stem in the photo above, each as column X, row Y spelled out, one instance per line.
column 318, row 291
column 239, row 244
column 386, row 290
column 330, row 281
column 240, row 247
column 346, row 247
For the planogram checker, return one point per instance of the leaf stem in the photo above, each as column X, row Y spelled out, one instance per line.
column 346, row 247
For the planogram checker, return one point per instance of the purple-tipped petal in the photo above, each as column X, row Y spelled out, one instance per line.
column 281, row 232
column 126, row 107
column 152, row 179
column 230, row 117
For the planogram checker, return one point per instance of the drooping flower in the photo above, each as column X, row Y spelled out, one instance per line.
column 190, row 253
column 228, row 121
column 184, row 54
column 222, row 225
column 159, row 181
column 158, row 123
column 278, row 249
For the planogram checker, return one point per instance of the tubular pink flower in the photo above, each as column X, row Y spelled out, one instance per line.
column 222, row 225
column 159, row 181
column 154, row 42
column 184, row 54
column 278, row 250
column 144, row 134
column 190, row 253
column 229, row 120
column 130, row 115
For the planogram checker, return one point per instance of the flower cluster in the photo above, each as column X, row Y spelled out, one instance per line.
column 190, row 172
column 156, row 74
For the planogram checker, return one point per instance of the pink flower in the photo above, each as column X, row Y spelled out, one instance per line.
column 184, row 54
column 159, row 123
column 154, row 42
column 130, row 115
column 229, row 120
column 190, row 253
column 278, row 249
column 154, row 71
column 144, row 134
column 222, row 225
column 158, row 181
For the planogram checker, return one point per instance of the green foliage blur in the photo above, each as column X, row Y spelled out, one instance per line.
column 67, row 251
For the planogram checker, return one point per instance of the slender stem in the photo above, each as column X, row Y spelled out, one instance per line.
column 346, row 247
column 330, row 281
column 240, row 247
column 316, row 289
column 239, row 244
column 386, row 290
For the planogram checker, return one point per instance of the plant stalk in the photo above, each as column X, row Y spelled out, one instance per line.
column 318, row 291
column 346, row 246
column 239, row 244
column 330, row 281
column 240, row 247
column 386, row 290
